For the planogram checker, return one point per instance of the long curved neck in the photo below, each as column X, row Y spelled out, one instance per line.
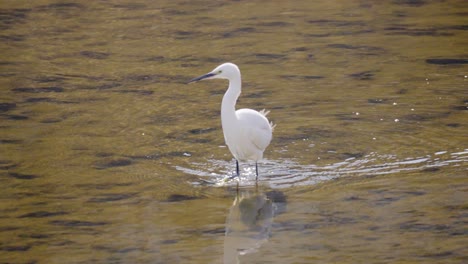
column 228, row 105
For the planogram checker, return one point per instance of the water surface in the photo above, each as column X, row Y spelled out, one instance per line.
column 107, row 156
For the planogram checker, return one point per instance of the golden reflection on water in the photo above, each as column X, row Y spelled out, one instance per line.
column 107, row 156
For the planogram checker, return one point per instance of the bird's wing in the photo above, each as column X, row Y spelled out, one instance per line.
column 257, row 128
column 260, row 137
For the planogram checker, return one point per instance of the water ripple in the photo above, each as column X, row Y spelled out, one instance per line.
column 289, row 173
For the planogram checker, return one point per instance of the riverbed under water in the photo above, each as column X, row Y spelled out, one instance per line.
column 108, row 156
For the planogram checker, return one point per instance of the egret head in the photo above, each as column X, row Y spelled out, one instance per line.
column 224, row 71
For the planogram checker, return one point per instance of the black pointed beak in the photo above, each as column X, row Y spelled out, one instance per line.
column 208, row 75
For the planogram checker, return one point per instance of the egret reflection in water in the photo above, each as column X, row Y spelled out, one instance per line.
column 249, row 222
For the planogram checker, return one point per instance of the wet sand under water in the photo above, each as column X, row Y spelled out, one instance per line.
column 106, row 156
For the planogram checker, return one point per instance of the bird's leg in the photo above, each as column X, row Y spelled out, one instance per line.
column 256, row 171
column 237, row 171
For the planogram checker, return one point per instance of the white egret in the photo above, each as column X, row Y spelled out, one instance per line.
column 247, row 132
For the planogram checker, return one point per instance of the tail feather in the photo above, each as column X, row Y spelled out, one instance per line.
column 265, row 112
column 272, row 126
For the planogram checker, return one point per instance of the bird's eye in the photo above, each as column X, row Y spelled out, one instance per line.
column 220, row 71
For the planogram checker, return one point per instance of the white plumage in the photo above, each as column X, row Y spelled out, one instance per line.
column 247, row 132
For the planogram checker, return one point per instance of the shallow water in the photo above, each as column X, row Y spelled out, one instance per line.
column 108, row 157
